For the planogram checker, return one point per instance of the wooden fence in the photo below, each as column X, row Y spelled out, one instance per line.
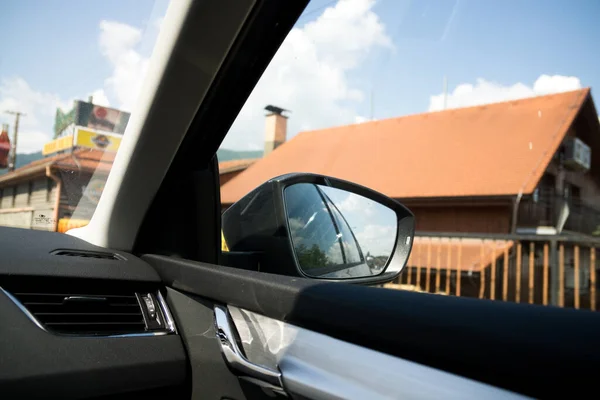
column 548, row 270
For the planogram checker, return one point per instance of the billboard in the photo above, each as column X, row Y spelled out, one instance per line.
column 99, row 140
column 105, row 119
column 92, row 116
column 83, row 137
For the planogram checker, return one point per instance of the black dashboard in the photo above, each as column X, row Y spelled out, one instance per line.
column 79, row 321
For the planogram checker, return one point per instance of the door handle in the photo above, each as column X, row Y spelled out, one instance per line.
column 234, row 357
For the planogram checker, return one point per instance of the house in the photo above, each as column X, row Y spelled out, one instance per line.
column 515, row 166
column 44, row 194
column 230, row 169
column 61, row 190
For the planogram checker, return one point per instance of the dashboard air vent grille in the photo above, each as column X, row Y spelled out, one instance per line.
column 90, row 307
column 85, row 314
column 88, row 254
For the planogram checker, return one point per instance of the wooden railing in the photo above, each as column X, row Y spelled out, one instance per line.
column 548, row 270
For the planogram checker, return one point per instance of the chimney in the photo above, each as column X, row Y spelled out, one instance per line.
column 275, row 128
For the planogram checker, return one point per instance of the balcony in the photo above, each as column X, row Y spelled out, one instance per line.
column 544, row 210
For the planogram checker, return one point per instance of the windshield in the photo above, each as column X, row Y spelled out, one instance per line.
column 70, row 77
column 479, row 116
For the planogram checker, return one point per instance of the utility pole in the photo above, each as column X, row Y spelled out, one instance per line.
column 12, row 164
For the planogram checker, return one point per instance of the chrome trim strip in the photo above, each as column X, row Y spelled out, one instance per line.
column 23, row 309
column 37, row 323
column 233, row 355
column 318, row 367
column 170, row 322
column 139, row 301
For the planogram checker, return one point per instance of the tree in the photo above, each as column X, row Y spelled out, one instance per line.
column 312, row 257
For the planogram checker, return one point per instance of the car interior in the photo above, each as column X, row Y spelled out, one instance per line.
column 184, row 320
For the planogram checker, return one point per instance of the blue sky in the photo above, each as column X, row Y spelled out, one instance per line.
column 55, row 47
column 502, row 41
column 399, row 50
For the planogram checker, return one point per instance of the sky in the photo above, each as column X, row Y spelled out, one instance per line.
column 373, row 225
column 345, row 62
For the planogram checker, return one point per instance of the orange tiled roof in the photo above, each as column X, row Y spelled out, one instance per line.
column 84, row 159
column 488, row 150
column 235, row 165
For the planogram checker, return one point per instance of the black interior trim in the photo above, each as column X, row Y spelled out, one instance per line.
column 27, row 252
column 529, row 349
column 35, row 363
column 195, row 319
column 185, row 191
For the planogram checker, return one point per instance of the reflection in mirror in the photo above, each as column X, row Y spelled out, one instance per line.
column 338, row 234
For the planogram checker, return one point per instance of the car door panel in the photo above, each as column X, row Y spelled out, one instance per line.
column 491, row 342
column 209, row 376
column 317, row 366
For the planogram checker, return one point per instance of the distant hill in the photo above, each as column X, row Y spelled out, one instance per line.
column 24, row 159
column 228, row 155
column 222, row 154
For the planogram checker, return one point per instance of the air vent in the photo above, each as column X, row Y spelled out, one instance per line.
column 76, row 307
column 85, row 314
column 88, row 254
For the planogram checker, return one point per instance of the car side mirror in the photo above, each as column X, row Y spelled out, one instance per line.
column 319, row 227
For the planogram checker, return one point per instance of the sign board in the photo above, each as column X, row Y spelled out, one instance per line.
column 87, row 138
column 57, row 145
column 92, row 116
column 98, row 140
column 104, row 119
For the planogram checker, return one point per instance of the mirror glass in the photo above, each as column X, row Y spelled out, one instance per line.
column 338, row 234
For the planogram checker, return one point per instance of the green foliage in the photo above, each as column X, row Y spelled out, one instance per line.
column 24, row 159
column 312, row 257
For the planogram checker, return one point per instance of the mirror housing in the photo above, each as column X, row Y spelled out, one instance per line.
column 256, row 230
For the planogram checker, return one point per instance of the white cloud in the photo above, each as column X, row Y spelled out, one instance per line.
column 99, row 98
column 357, row 204
column 36, row 126
column 377, row 239
column 485, row 92
column 309, row 73
column 118, row 43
